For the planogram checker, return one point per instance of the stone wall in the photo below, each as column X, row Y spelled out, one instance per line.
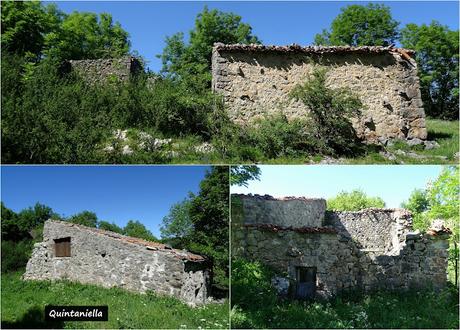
column 101, row 70
column 369, row 249
column 295, row 212
column 113, row 260
column 379, row 230
column 255, row 80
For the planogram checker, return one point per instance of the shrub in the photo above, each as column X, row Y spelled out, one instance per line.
column 52, row 117
column 251, row 284
column 353, row 201
column 269, row 137
column 171, row 109
column 15, row 254
column 329, row 113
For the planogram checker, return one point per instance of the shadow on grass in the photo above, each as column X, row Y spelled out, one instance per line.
column 33, row 318
column 438, row 135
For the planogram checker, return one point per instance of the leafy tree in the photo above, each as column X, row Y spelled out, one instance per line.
column 191, row 62
column 25, row 25
column 443, row 195
column 85, row 218
column 33, row 30
column 330, row 110
column 240, row 175
column 15, row 254
column 177, row 224
column 440, row 200
column 86, row 36
column 209, row 215
column 353, row 201
column 33, row 217
column 137, row 229
column 437, row 56
column 10, row 225
column 444, row 200
column 19, row 232
column 418, row 204
column 358, row 25
column 105, row 225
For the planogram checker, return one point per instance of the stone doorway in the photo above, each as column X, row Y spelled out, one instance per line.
column 306, row 282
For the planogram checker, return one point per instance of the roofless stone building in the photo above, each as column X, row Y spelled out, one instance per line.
column 322, row 253
column 94, row 256
column 255, row 80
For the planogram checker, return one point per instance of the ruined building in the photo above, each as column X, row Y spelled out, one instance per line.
column 95, row 256
column 255, row 80
column 101, row 70
column 319, row 253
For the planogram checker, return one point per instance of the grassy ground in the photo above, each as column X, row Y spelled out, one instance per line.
column 445, row 133
column 23, row 304
column 256, row 305
column 378, row 310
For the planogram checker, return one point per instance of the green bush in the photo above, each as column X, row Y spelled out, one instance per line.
column 330, row 110
column 269, row 137
column 353, row 201
column 52, row 117
column 169, row 108
column 251, row 284
column 277, row 137
column 15, row 254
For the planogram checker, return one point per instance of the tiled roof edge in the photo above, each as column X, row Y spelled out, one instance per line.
column 310, row 49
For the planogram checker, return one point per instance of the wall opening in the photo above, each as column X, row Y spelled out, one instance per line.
column 306, row 282
column 62, row 247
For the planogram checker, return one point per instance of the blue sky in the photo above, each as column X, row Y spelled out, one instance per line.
column 273, row 22
column 115, row 193
column 393, row 183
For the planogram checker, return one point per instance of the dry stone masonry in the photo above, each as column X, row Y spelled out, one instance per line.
column 100, row 70
column 255, row 80
column 94, row 256
column 320, row 253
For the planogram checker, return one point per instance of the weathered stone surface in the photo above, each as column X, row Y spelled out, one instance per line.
column 281, row 285
column 101, row 70
column 283, row 212
column 370, row 249
column 113, row 260
column 255, row 80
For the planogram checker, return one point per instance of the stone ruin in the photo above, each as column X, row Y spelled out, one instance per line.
column 255, row 80
column 101, row 70
column 94, row 256
column 319, row 253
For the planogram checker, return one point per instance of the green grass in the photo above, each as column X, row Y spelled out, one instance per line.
column 23, row 305
column 255, row 305
column 377, row 310
column 446, row 133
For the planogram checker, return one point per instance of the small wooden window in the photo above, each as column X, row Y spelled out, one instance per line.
column 62, row 247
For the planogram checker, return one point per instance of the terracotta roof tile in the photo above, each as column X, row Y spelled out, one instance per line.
column 295, row 48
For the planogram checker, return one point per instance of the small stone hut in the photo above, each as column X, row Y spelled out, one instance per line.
column 94, row 256
column 322, row 253
column 255, row 80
